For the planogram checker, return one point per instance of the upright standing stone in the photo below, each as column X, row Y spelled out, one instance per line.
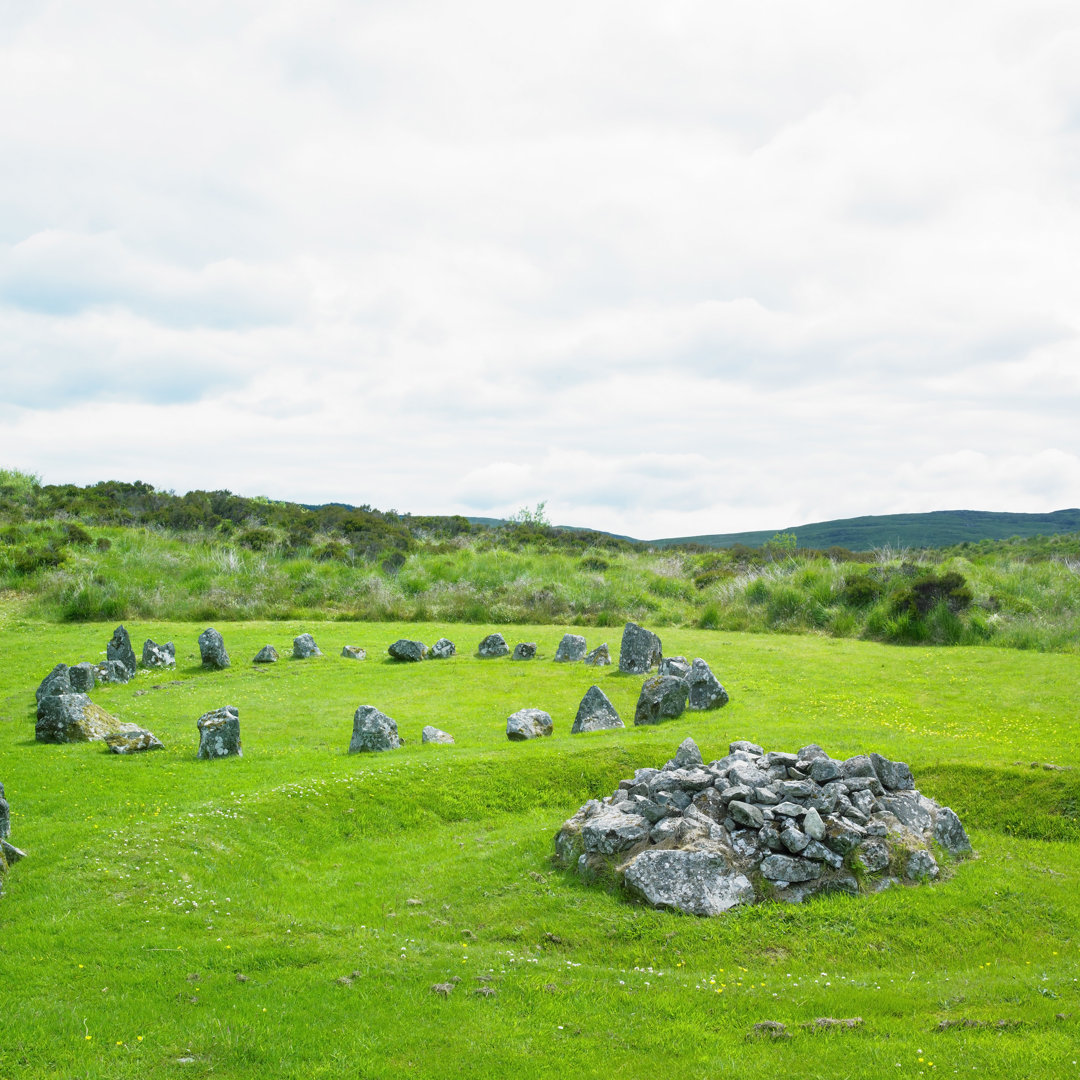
column 599, row 657
column 58, row 681
column 705, row 689
column 663, row 697
column 219, row 733
column 524, row 650
column 82, row 677
column 304, row 646
column 528, row 724
column 640, row 650
column 158, row 656
column 373, row 731
column 492, row 646
column 119, row 648
column 212, row 649
column 595, row 713
column 571, row 649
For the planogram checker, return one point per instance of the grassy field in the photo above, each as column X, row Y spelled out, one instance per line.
column 286, row 914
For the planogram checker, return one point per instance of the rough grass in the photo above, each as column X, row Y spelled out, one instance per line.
column 343, row 888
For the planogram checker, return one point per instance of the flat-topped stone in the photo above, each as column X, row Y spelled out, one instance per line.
column 571, row 649
column 132, row 742
column 219, row 733
column 353, row 652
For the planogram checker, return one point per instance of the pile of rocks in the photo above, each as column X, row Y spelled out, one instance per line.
column 9, row 853
column 754, row 826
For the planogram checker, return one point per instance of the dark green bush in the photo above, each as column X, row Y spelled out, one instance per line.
column 860, row 590
column 257, row 538
column 920, row 597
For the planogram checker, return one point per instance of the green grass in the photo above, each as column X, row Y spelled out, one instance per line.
column 303, row 860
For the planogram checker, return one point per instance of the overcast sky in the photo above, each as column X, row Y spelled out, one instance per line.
column 674, row 268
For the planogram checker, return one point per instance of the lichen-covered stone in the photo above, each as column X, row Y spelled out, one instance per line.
column 789, row 868
column 528, row 724
column 83, row 678
column 571, row 649
column 705, row 689
column 119, row 648
column 373, row 731
column 58, row 681
column 599, row 657
column 949, row 833
column 493, row 646
column 663, row 697
column 595, row 713
column 640, row 651
column 443, row 649
column 434, row 735
column 353, row 652
column 66, row 718
column 212, row 649
column 266, row 655
column 219, row 733
column 5, row 816
column 524, row 650
column 158, row 656
column 697, row 882
column 112, row 672
column 408, row 652
column 132, row 742
column 304, row 646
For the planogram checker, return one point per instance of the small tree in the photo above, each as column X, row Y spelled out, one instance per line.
column 536, row 517
column 781, row 546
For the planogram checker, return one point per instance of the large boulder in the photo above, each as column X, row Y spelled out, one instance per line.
column 373, row 732
column 266, row 655
column 640, row 651
column 119, row 648
column 443, row 649
column 304, row 646
column 663, row 697
column 524, row 650
column 66, row 718
column 219, row 733
column 58, row 681
column 407, row 652
column 705, row 689
column 132, row 742
column 158, row 656
column 83, row 678
column 595, row 713
column 212, row 649
column 432, row 734
column 528, row 724
column 697, row 882
column 493, row 646
column 571, row 649
column 599, row 657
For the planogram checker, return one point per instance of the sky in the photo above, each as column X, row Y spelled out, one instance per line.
column 671, row 268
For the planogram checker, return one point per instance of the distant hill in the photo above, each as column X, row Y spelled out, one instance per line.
column 939, row 528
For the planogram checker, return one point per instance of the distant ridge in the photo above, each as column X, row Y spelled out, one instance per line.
column 938, row 528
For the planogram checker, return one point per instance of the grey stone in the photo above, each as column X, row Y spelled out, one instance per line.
column 766, row 794
column 789, row 868
column 789, row 809
column 11, row 854
column 872, row 855
column 595, row 713
column 663, row 697
column 571, row 649
column 112, row 672
column 747, row 775
column 842, row 836
column 212, row 649
column 676, row 800
column 746, row 814
column 859, row 765
column 798, row 789
column 58, row 681
column 709, row 803
column 649, row 810
column 678, row 666
column 909, row 810
column 611, row 831
column 82, row 677
column 894, row 775
column 813, row 826
column 705, row 689
column 373, row 732
column 66, row 718
column 351, row 652
column 810, row 752
column 434, row 735
column 793, row 839
column 132, row 742
column 524, row 650
column 158, row 656
column 640, row 651
column 697, row 882
column 667, row 828
column 5, row 816
column 528, row 724
column 219, row 733
column 819, row 852
column 304, row 646
column 599, row 657
column 770, row 836
column 823, row 770
column 949, row 833
column 750, row 748
column 266, row 655
column 119, row 648
column 778, row 757
column 494, row 645
column 443, row 649
column 407, row 652
column 865, row 803
column 863, row 783
column 688, row 755
column 920, row 866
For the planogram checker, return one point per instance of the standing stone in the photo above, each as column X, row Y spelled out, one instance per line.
column 158, row 656
column 5, row 816
column 492, row 646
column 434, row 735
column 599, row 657
column 65, row 718
column 82, row 677
column 304, row 646
column 132, row 742
column 119, row 648
column 409, row 652
column 524, row 650
column 373, row 732
column 443, row 649
column 58, row 681
column 640, row 650
column 528, row 724
column 212, row 649
column 595, row 713
column 219, row 733
column 678, row 666
column 705, row 689
column 353, row 652
column 571, row 649
column 266, row 655
column 111, row 671
column 663, row 697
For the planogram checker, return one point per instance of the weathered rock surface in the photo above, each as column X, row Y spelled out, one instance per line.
column 133, row 741
column 5, row 816
column 524, row 650
column 494, row 645
column 266, row 655
column 119, row 648
column 112, row 671
column 353, row 652
column 82, row 677
column 219, row 733
column 528, row 724
column 678, row 666
column 58, row 681
column 640, row 650
column 599, row 657
column 158, row 656
column 434, row 735
column 304, row 646
column 571, row 649
column 595, row 713
column 212, row 649
column 409, row 652
column 443, row 649
column 373, row 732
column 65, row 718
column 705, row 689
column 663, row 697
column 702, row 838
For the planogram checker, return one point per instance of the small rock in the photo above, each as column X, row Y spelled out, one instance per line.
column 595, row 713
column 528, row 724
column 443, row 649
column 434, row 735
column 373, row 732
column 571, row 649
column 678, row 666
column 266, row 655
column 132, row 742
column 747, row 814
column 789, row 868
column 112, row 672
column 949, row 833
column 524, row 650
column 410, row 652
column 599, row 657
column 352, row 652
column 304, row 646
column 872, row 855
column 212, row 649
column 688, row 755
column 921, row 865
column 493, row 646
column 219, row 733
column 640, row 651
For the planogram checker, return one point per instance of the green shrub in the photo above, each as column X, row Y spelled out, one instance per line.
column 921, row 596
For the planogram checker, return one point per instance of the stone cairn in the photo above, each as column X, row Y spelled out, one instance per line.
column 755, row 826
column 9, row 853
